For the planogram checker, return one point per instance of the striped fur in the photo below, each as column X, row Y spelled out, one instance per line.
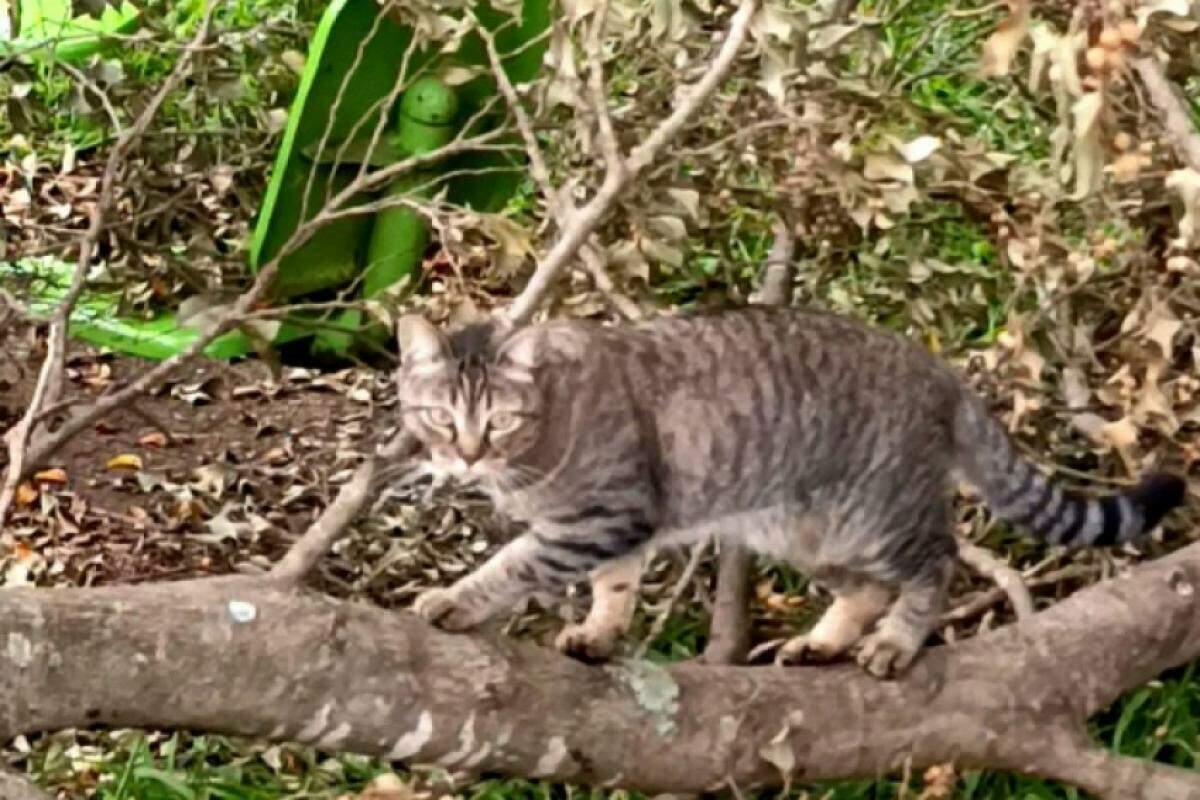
column 1019, row 493
column 810, row 437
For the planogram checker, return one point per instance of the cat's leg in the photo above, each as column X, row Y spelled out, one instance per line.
column 504, row 579
column 854, row 609
column 893, row 645
column 614, row 598
column 542, row 559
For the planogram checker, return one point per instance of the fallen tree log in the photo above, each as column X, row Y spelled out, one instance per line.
column 257, row 658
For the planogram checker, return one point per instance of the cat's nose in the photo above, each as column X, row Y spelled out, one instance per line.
column 470, row 452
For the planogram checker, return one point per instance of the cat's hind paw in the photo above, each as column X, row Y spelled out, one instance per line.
column 585, row 642
column 885, row 654
column 444, row 608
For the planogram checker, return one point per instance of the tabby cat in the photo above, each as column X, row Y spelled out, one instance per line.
column 806, row 436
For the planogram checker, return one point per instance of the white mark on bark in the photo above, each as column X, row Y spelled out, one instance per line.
column 466, row 743
column 277, row 732
column 241, row 611
column 411, row 743
column 478, row 757
column 335, row 737
column 554, row 759
column 19, row 650
column 1178, row 581
column 654, row 690
column 316, row 726
column 614, row 781
column 503, row 737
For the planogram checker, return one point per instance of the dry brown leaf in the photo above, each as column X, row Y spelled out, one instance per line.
column 27, row 494
column 125, row 461
column 940, row 780
column 1126, row 167
column 884, row 166
column 1161, row 328
column 56, row 475
column 1186, row 184
column 156, row 439
column 1001, row 47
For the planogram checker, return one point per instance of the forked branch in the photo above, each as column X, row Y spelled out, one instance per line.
column 621, row 172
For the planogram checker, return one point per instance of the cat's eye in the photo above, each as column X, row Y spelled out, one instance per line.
column 503, row 421
column 439, row 417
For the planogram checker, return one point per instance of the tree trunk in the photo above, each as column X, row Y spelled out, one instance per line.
column 246, row 656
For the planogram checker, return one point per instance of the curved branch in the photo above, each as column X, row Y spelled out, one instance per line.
column 1005, row 577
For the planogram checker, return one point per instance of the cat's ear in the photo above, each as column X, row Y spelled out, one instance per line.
column 420, row 342
column 520, row 350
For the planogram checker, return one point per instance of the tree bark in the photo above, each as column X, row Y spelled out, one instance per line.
column 254, row 657
column 18, row 787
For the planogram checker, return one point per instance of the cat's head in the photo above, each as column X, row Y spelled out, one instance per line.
column 469, row 397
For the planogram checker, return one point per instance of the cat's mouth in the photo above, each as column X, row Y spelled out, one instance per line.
column 458, row 470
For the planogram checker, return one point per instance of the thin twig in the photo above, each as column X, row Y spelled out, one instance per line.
column 664, row 613
column 48, row 390
column 1175, row 118
column 1005, row 577
column 584, row 221
column 985, row 600
column 533, row 150
column 320, row 536
column 238, row 311
column 610, row 148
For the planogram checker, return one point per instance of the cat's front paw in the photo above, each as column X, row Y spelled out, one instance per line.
column 586, row 643
column 885, row 654
column 445, row 609
column 806, row 649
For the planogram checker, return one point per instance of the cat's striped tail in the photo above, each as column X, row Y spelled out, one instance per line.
column 1018, row 493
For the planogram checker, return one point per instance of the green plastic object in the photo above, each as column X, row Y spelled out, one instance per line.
column 328, row 137
column 49, row 30
column 96, row 318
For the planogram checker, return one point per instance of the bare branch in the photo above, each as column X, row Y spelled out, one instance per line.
column 584, row 221
column 292, row 666
column 1004, row 576
column 337, row 516
column 729, row 632
column 610, row 148
column 48, row 390
column 537, row 161
column 240, row 310
column 1175, row 118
